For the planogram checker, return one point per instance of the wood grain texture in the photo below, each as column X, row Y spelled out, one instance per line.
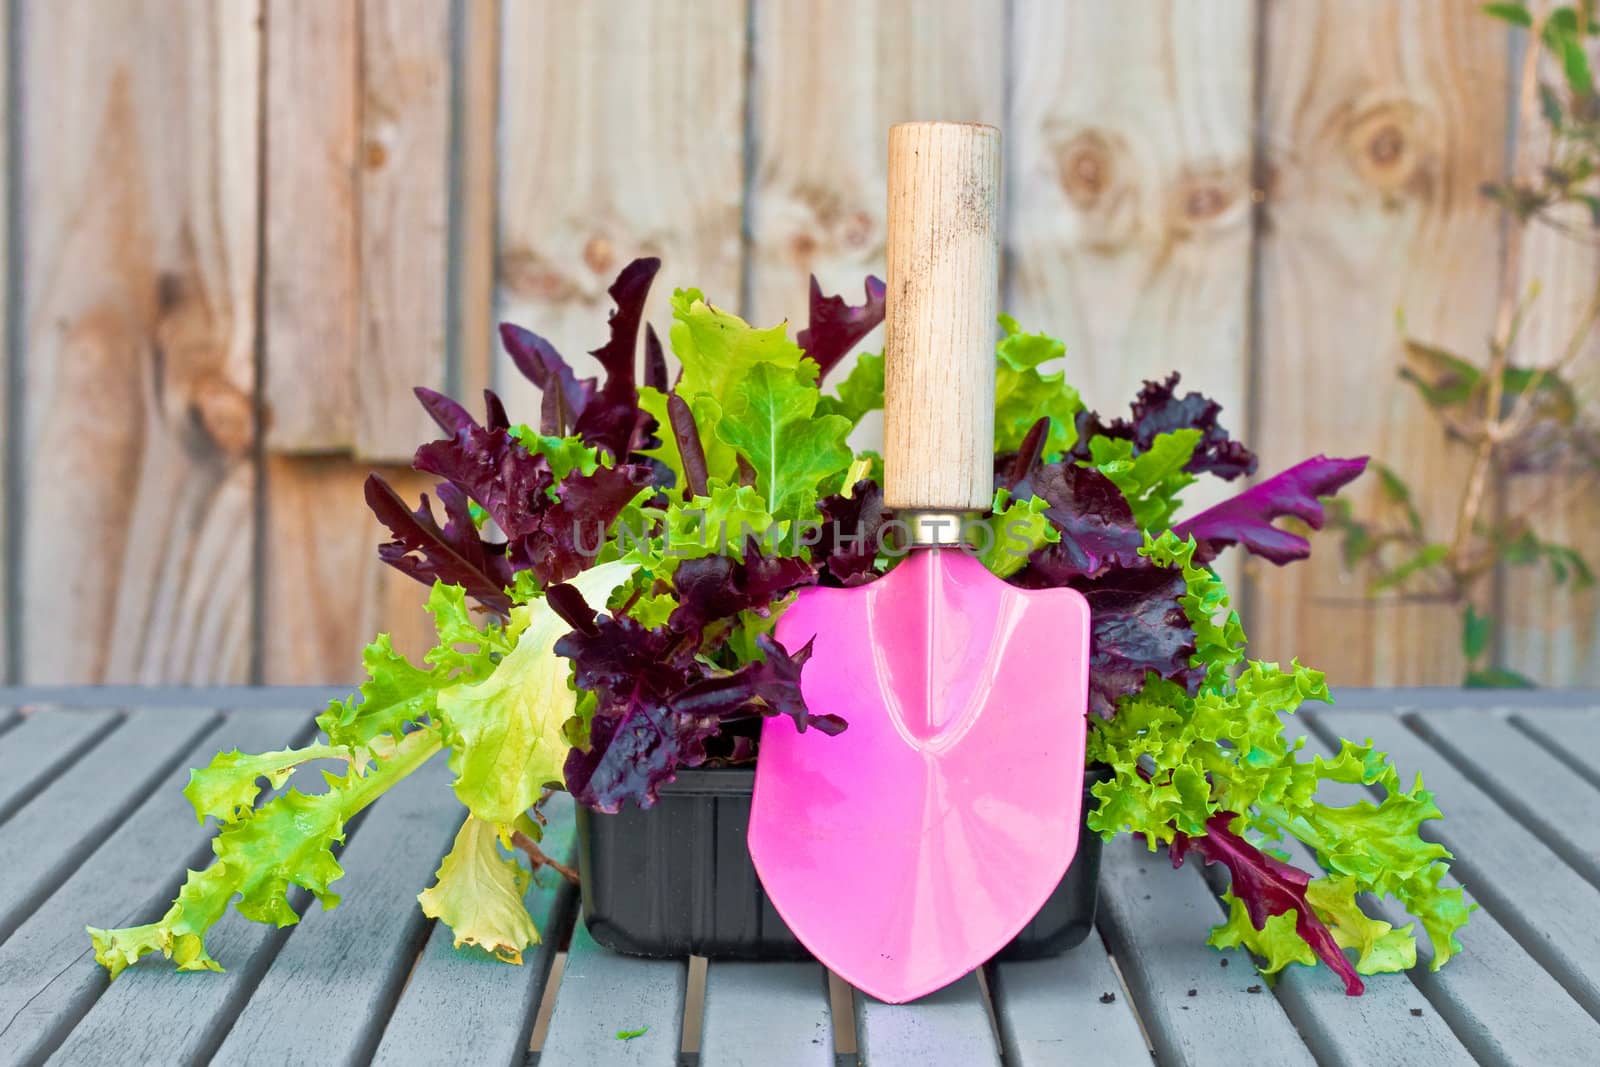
column 310, row 314
column 48, row 976
column 1551, row 631
column 327, row 593
column 1380, row 121
column 1047, row 1009
column 621, row 136
column 7, row 356
column 951, row 1023
column 754, row 1010
column 1130, row 200
column 943, row 256
column 1497, row 1000
column 405, row 208
column 137, row 297
column 830, row 78
column 328, row 994
column 474, row 180
column 491, row 1006
column 603, row 993
column 41, row 746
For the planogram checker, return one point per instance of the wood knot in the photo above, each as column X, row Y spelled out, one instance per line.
column 857, row 230
column 1085, row 168
column 1205, row 201
column 802, row 246
column 225, row 413
column 1388, row 146
column 599, row 254
column 531, row 277
column 375, row 154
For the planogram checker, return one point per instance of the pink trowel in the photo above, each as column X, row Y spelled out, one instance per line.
column 909, row 849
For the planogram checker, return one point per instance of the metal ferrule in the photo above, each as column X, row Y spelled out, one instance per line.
column 931, row 529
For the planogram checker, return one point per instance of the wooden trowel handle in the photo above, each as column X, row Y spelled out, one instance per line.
column 943, row 252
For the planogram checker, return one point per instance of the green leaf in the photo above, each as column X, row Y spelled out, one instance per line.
column 1444, row 379
column 1430, row 555
column 287, row 842
column 629, row 1035
column 860, row 392
column 1499, row 678
column 1382, row 948
column 1275, row 947
column 565, row 454
column 768, row 417
column 1516, row 14
column 654, row 403
column 718, row 525
column 1476, row 630
column 1575, row 64
column 227, row 787
column 1152, row 480
column 719, row 350
column 478, row 893
column 1016, row 528
column 1023, row 395
column 1550, row 107
column 505, row 732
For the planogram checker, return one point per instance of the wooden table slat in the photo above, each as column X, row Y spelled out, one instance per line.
column 1545, row 904
column 1498, row 1001
column 491, row 1005
column 1572, row 736
column 1524, row 778
column 952, row 1024
column 603, row 993
column 329, row 993
column 1155, row 920
column 48, row 975
column 766, row 1015
column 43, row 745
column 50, row 835
column 1050, row 1010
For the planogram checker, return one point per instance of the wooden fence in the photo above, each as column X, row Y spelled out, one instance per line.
column 238, row 231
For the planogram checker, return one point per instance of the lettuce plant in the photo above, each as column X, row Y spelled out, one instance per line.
column 605, row 587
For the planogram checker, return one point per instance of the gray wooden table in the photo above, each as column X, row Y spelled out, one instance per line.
column 94, row 829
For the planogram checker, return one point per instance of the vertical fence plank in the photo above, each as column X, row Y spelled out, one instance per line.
column 328, row 593
column 475, row 188
column 405, row 205
column 311, row 265
column 1379, row 123
column 377, row 176
column 1552, row 632
column 138, row 293
column 830, row 79
column 7, row 118
column 621, row 136
column 1130, row 191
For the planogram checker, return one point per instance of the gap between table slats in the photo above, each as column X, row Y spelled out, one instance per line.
column 43, row 746
column 1499, row 998
column 48, row 976
column 490, row 1006
column 333, row 986
column 603, row 994
column 75, row 813
column 1545, row 904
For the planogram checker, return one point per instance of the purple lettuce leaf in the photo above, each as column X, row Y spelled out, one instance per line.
column 1266, row 886
column 1157, row 410
column 1246, row 519
column 1095, row 522
column 655, row 361
column 837, row 327
column 719, row 587
column 565, row 394
column 451, row 416
column 765, row 687
column 454, row 554
column 612, row 419
column 493, row 468
column 565, row 534
column 851, row 528
column 1136, row 625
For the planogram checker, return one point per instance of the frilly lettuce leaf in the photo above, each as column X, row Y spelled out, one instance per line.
column 767, row 417
column 1022, row 394
column 478, row 893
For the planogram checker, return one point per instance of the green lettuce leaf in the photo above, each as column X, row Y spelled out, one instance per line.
column 860, row 392
column 287, row 842
column 768, row 417
column 505, row 732
column 1152, row 480
column 1022, row 394
column 478, row 892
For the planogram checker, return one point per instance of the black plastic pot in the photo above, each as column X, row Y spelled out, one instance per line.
column 677, row 880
